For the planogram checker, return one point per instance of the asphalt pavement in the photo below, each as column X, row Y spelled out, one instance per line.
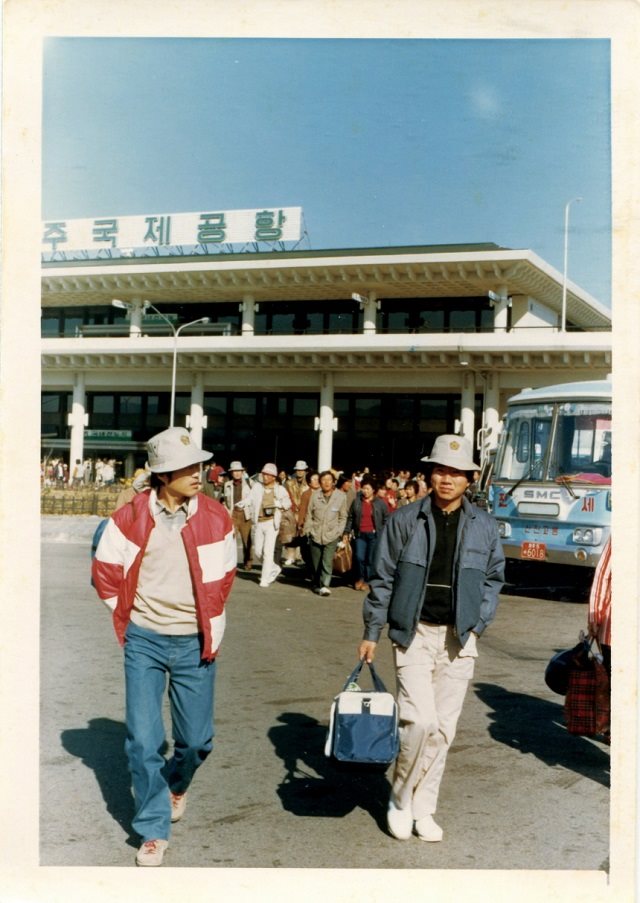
column 519, row 791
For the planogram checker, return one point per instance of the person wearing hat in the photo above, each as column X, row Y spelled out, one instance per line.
column 164, row 566
column 236, row 490
column 266, row 501
column 438, row 571
column 296, row 486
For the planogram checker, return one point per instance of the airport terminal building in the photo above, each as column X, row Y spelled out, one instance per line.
column 346, row 358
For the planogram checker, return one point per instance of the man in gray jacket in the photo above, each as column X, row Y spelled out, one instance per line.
column 438, row 571
column 324, row 525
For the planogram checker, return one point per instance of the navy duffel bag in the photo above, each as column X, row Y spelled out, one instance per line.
column 363, row 724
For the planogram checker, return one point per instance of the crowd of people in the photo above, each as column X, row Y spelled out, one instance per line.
column 300, row 518
column 55, row 473
column 283, row 519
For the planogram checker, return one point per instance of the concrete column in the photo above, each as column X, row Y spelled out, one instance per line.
column 500, row 310
column 129, row 465
column 77, row 421
column 370, row 309
column 467, row 405
column 325, row 423
column 197, row 420
column 248, row 308
column 135, row 317
column 491, row 409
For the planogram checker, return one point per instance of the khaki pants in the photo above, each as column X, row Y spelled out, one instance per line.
column 242, row 528
column 432, row 675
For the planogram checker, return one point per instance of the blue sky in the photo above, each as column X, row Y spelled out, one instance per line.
column 382, row 142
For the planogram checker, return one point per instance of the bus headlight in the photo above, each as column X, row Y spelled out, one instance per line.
column 609, row 500
column 504, row 529
column 587, row 536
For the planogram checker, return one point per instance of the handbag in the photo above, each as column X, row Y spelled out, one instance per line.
column 587, row 706
column 343, row 558
column 556, row 675
column 363, row 724
column 288, row 527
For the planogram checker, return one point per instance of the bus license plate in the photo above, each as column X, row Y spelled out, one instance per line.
column 533, row 551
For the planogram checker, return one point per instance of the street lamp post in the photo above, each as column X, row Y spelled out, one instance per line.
column 124, row 305
column 563, row 320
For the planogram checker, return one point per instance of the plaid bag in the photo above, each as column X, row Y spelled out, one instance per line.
column 587, row 706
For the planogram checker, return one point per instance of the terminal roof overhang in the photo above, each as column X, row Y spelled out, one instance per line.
column 377, row 353
column 414, row 272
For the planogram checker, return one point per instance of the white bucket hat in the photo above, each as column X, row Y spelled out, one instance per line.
column 452, row 451
column 235, row 465
column 301, row 465
column 270, row 469
column 173, row 449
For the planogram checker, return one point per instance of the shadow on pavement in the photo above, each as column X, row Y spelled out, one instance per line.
column 315, row 785
column 536, row 726
column 101, row 748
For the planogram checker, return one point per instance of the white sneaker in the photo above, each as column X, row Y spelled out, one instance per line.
column 399, row 821
column 178, row 805
column 277, row 570
column 151, row 852
column 428, row 830
column 324, row 591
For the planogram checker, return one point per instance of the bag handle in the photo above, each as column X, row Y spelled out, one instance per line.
column 377, row 682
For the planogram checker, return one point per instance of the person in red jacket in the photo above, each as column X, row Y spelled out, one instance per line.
column 164, row 566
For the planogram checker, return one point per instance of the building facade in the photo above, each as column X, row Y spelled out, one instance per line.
column 346, row 358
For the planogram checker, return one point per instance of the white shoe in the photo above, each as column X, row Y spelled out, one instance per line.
column 178, row 805
column 151, row 853
column 272, row 576
column 399, row 821
column 324, row 591
column 428, row 830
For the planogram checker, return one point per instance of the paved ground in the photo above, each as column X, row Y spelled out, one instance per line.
column 519, row 792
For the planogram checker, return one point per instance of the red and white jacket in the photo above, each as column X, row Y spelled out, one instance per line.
column 211, row 552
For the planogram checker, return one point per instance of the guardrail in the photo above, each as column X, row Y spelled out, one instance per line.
column 79, row 501
column 123, row 329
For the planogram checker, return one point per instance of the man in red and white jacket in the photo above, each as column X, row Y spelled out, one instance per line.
column 164, row 566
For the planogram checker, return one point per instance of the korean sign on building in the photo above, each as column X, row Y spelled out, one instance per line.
column 108, row 434
column 173, row 229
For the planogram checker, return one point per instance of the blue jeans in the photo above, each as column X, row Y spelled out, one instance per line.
column 149, row 658
column 365, row 549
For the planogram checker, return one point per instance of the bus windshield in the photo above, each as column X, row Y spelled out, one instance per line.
column 581, row 436
column 525, row 442
column 582, row 446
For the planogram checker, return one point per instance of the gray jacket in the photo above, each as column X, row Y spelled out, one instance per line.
column 401, row 565
column 326, row 516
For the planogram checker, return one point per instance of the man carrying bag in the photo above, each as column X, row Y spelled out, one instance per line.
column 438, row 571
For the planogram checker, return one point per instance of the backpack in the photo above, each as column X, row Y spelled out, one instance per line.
column 95, row 539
